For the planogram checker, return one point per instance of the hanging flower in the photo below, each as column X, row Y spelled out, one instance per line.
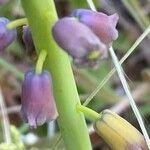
column 102, row 25
column 79, row 41
column 38, row 105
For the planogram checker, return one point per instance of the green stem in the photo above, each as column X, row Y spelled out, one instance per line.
column 88, row 112
column 40, row 61
column 17, row 23
column 42, row 16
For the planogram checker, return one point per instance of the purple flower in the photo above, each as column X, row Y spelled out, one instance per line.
column 79, row 41
column 102, row 25
column 3, row 2
column 38, row 105
column 6, row 36
column 28, row 41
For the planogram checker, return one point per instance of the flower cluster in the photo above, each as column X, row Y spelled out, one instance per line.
column 86, row 35
column 38, row 105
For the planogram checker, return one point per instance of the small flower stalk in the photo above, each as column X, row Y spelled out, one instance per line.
column 102, row 25
column 7, row 36
column 38, row 105
column 79, row 41
column 118, row 133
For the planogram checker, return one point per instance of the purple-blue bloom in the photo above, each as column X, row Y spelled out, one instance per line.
column 6, row 36
column 38, row 105
column 79, row 41
column 3, row 2
column 102, row 25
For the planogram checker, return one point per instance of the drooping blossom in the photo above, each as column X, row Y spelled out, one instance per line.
column 79, row 41
column 102, row 25
column 38, row 105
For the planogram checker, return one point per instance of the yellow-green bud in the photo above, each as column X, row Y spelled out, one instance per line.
column 118, row 133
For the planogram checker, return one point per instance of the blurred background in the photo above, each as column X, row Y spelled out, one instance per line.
column 134, row 18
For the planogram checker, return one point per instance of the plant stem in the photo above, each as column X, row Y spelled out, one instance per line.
column 129, row 95
column 42, row 16
column 17, row 23
column 40, row 61
column 91, row 4
column 88, row 112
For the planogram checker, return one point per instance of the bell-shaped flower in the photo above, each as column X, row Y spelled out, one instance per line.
column 7, row 36
column 38, row 105
column 79, row 41
column 102, row 25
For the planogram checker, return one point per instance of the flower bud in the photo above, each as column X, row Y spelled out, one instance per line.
column 102, row 25
column 38, row 105
column 6, row 36
column 78, row 41
column 28, row 41
column 118, row 133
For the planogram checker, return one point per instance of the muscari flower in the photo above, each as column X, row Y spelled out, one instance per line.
column 102, row 25
column 6, row 36
column 38, row 105
column 79, row 41
column 28, row 41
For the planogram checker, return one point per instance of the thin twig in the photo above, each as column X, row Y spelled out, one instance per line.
column 12, row 109
column 5, row 123
column 123, row 104
column 109, row 75
column 91, row 4
column 126, row 87
column 129, row 95
column 133, row 13
column 137, row 94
